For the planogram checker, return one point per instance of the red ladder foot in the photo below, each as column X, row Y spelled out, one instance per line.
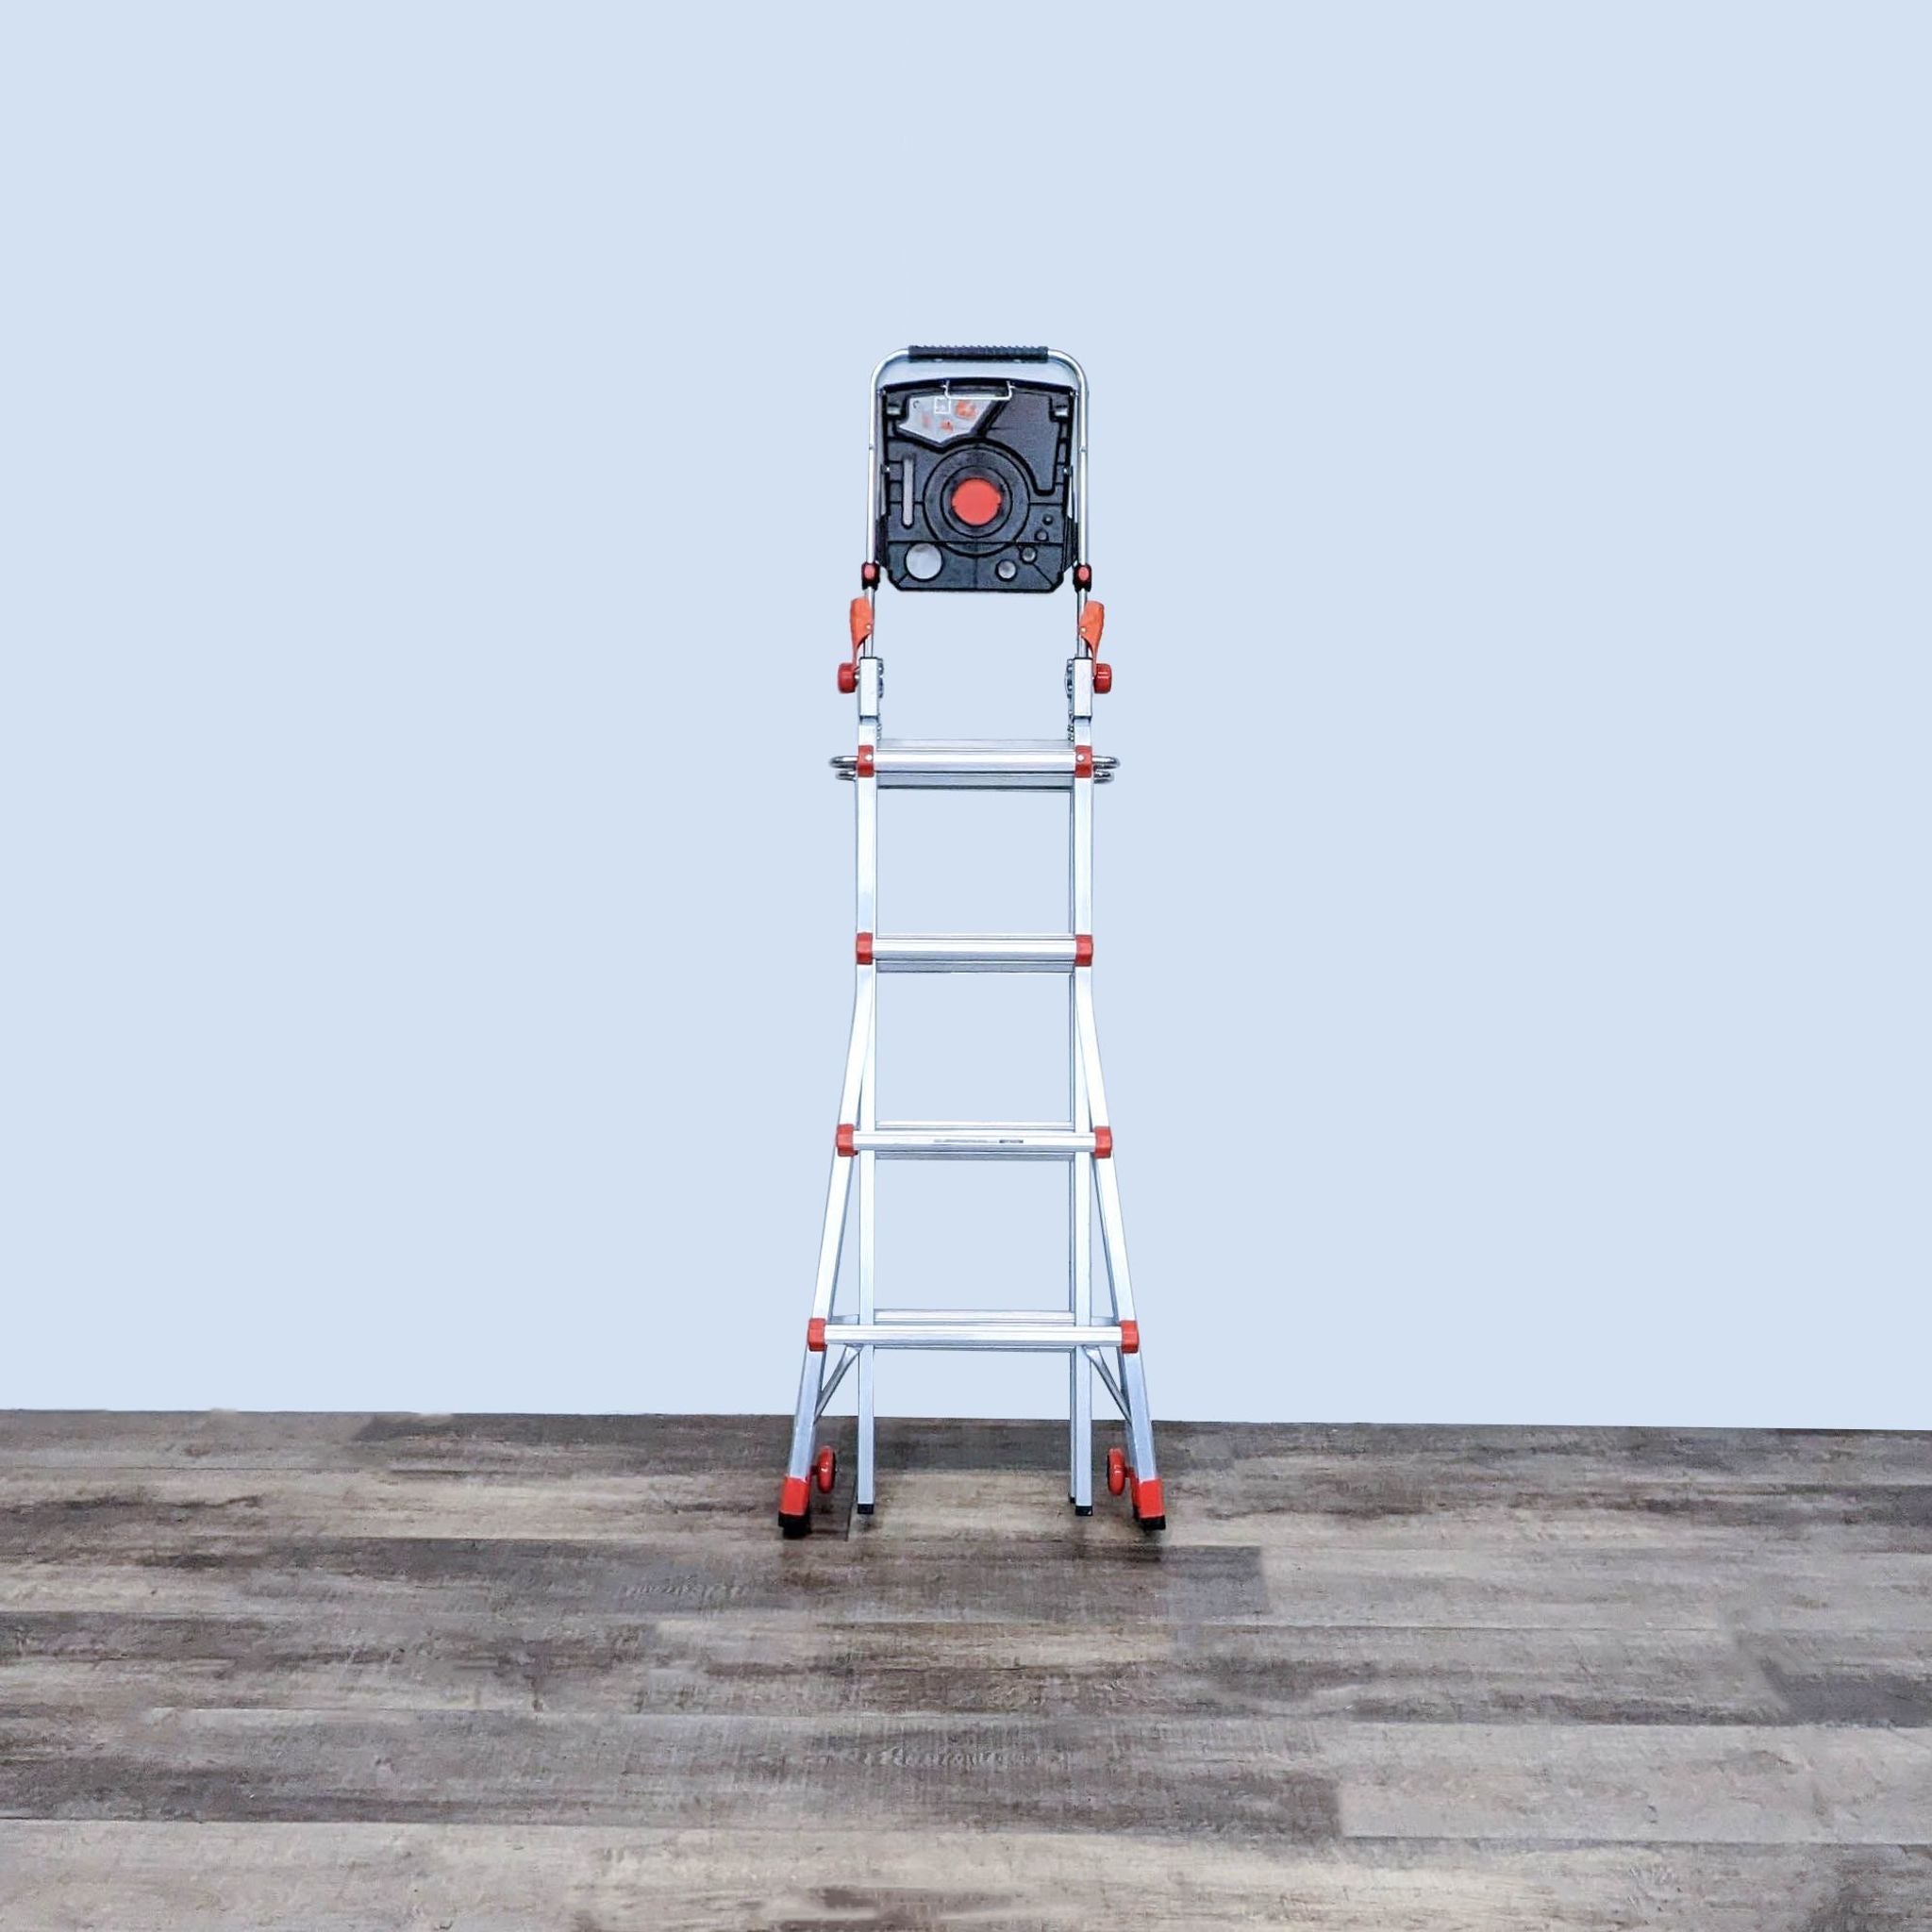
column 1150, row 1505
column 794, row 1506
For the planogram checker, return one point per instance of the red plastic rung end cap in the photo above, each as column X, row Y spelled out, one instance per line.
column 794, row 1499
column 1083, row 577
column 1103, row 1144
column 1103, row 678
column 815, row 1334
column 862, row 949
column 845, row 1133
column 868, row 763
column 869, row 575
column 848, row 678
column 1083, row 949
column 1130, row 1337
column 1148, row 1501
column 1083, row 762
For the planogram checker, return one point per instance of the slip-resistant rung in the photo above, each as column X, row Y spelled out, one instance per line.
column 1050, row 1318
column 950, row 952
column 998, row 1331
column 1006, row 764
column 972, row 1140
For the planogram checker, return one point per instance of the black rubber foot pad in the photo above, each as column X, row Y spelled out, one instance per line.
column 1083, row 1509
column 1151, row 1524
column 863, row 1509
column 795, row 1526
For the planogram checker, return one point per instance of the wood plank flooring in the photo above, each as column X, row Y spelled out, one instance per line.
column 561, row 1672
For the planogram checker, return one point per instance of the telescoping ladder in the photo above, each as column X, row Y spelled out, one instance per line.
column 977, row 481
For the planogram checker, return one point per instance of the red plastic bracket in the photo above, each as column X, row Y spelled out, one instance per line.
column 862, row 948
column 1130, row 1337
column 868, row 764
column 1083, row 949
column 1103, row 1144
column 815, row 1334
column 844, row 1142
column 1083, row 762
column 1093, row 621
column 861, row 622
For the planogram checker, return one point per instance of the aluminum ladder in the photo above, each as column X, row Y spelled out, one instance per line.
column 1100, row 1345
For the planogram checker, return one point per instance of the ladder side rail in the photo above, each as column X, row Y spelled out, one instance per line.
column 1113, row 1239
column 1089, row 1048
column 850, row 1098
column 1079, row 1293
column 812, row 1392
column 866, row 819
column 870, row 681
column 832, row 1240
column 868, row 1271
column 1080, row 1176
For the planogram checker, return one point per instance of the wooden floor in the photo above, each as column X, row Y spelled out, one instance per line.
column 562, row 1673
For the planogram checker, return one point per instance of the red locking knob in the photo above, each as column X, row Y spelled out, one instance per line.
column 978, row 501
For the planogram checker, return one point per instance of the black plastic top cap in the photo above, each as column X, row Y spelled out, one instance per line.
column 976, row 352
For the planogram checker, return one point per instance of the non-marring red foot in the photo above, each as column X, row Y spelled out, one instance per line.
column 794, row 1506
column 1150, row 1505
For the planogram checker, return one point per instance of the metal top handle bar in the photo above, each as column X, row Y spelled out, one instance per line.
column 976, row 352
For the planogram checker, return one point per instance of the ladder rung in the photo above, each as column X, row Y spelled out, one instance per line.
column 950, row 952
column 998, row 1331
column 1049, row 1317
column 972, row 1140
column 1008, row 764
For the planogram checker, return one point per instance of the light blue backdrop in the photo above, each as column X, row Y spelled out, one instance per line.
column 429, row 469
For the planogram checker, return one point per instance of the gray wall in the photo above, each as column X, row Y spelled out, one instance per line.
column 429, row 456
